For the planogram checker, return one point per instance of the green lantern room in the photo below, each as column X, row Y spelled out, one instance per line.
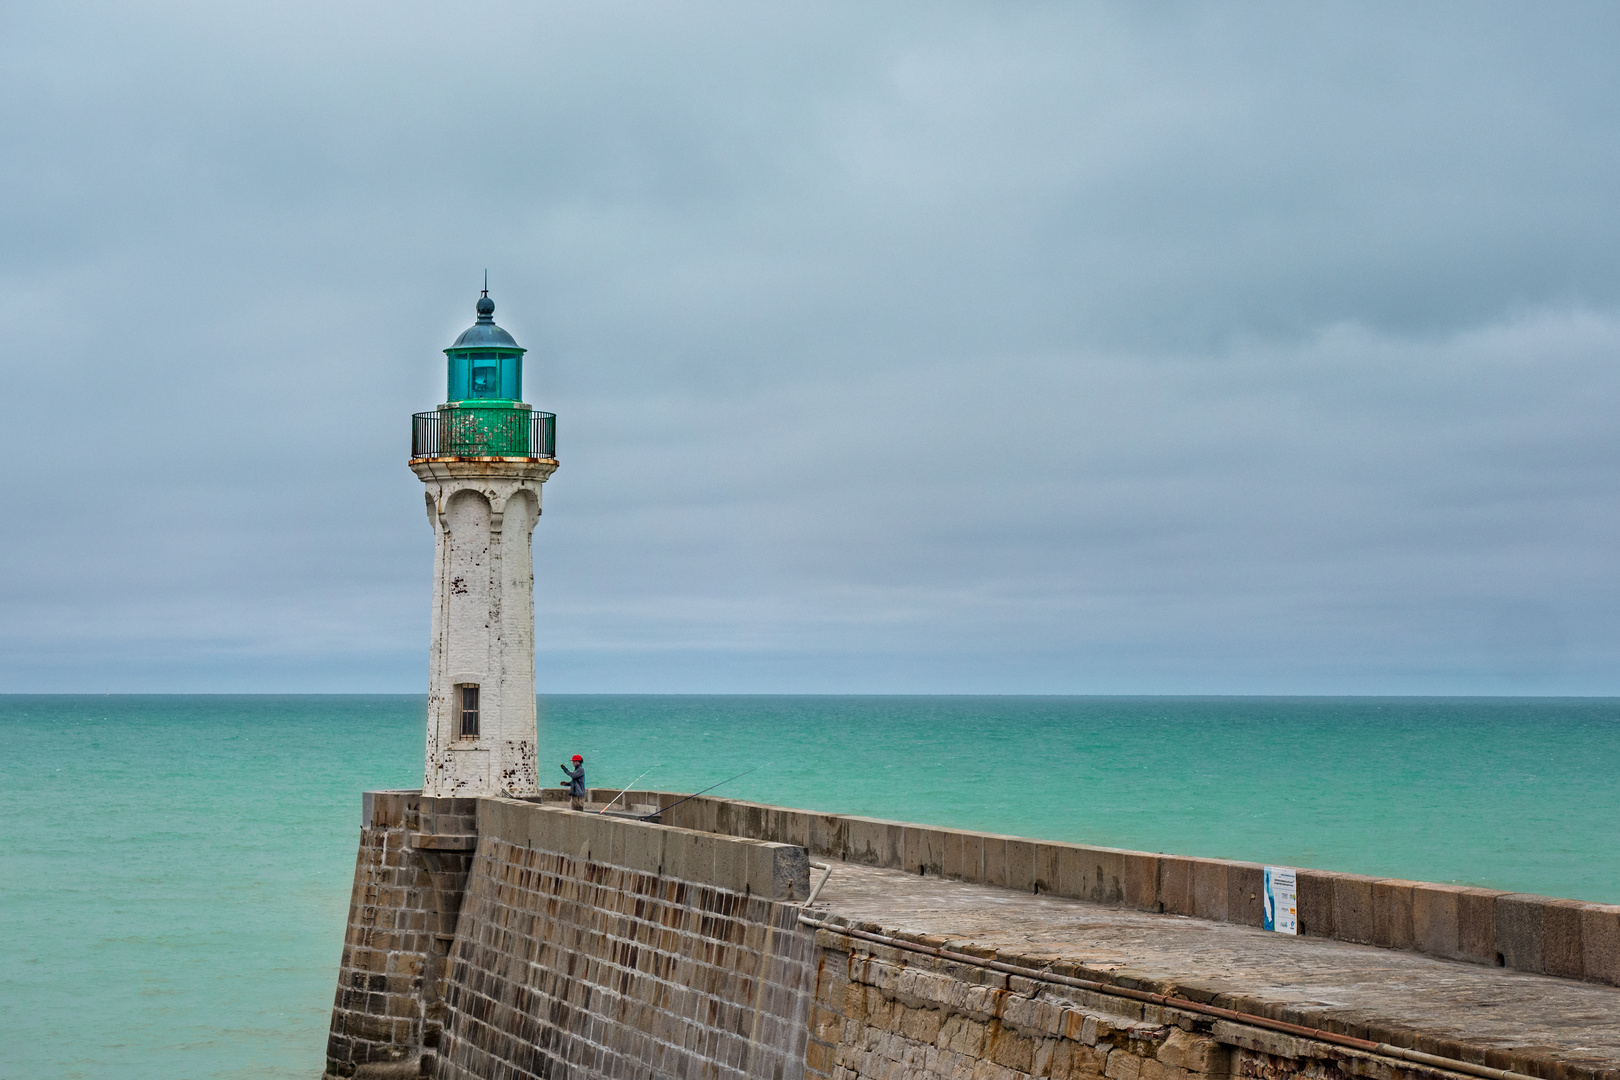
column 485, row 363
column 484, row 416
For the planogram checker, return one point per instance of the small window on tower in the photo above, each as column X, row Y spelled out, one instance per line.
column 467, row 712
column 485, row 381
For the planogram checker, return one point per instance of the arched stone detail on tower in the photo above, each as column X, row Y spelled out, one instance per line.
column 484, row 513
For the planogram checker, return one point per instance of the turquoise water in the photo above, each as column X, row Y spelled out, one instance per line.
column 177, row 869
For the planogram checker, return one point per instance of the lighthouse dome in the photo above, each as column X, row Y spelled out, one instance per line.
column 484, row 333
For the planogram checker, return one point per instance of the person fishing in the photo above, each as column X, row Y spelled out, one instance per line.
column 576, row 782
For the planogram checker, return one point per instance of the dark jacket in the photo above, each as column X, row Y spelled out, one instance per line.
column 576, row 779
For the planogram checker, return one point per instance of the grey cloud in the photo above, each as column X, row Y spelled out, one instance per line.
column 1054, row 349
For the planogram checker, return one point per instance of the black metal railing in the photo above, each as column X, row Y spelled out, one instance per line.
column 479, row 432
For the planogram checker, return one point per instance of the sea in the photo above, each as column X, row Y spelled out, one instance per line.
column 175, row 874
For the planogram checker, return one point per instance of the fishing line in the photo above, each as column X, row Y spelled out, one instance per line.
column 632, row 784
column 695, row 794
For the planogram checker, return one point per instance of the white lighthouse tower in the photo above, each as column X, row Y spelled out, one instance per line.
column 483, row 455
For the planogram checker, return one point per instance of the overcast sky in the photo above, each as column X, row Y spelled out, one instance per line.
column 1037, row 348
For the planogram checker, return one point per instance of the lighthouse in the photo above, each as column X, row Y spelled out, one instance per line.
column 483, row 456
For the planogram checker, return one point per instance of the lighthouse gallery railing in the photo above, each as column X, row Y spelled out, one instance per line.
column 479, row 432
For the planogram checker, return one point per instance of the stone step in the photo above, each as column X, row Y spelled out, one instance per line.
column 443, row 842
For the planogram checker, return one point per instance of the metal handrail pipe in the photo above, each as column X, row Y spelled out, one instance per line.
column 483, row 432
column 826, row 872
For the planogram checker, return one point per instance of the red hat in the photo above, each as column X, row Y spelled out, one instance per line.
column 578, row 758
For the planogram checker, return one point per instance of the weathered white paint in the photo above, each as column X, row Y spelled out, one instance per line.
column 483, row 515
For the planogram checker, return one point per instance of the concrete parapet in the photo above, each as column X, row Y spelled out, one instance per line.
column 874, row 842
column 1314, row 893
column 1562, row 949
column 1519, row 938
column 1392, row 913
column 1481, row 926
column 1353, row 908
column 1245, row 894
column 1454, row 921
column 742, row 864
column 1543, row 934
column 1600, row 943
column 1216, row 889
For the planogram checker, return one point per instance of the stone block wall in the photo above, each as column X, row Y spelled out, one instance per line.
column 591, row 946
column 1538, row 934
column 887, row 1014
column 412, row 863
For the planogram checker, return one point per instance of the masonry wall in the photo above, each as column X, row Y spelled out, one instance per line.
column 409, row 873
column 886, row 1014
column 590, row 946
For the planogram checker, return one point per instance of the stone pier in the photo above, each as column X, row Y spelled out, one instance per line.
column 505, row 939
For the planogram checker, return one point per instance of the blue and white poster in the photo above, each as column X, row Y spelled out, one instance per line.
column 1282, row 901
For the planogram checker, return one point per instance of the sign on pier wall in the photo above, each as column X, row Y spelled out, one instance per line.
column 1282, row 900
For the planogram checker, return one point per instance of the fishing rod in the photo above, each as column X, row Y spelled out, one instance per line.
column 620, row 795
column 695, row 794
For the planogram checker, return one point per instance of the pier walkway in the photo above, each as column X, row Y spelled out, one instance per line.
column 1535, row 1024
